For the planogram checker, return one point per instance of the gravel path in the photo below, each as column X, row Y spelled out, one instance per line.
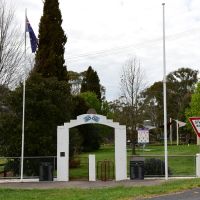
column 76, row 184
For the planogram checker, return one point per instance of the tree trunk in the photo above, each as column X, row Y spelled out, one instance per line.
column 133, row 142
column 133, row 148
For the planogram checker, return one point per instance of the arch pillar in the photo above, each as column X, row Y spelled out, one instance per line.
column 62, row 153
column 120, row 154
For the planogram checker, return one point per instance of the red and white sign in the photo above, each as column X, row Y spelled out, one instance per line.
column 195, row 121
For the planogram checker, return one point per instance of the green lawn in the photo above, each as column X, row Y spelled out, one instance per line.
column 105, row 153
column 116, row 193
column 181, row 158
column 172, row 150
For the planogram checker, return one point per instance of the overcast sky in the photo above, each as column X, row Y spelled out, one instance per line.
column 105, row 33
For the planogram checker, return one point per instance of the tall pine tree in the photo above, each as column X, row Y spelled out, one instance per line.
column 91, row 83
column 90, row 133
column 52, row 39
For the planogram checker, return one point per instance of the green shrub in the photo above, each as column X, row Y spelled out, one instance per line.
column 155, row 166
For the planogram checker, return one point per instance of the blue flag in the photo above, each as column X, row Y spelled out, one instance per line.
column 33, row 39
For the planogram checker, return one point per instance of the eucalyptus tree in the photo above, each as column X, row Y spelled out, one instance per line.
column 180, row 86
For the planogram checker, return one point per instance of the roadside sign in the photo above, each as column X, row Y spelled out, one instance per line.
column 143, row 136
column 195, row 121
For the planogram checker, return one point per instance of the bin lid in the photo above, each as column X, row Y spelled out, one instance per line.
column 45, row 163
column 137, row 158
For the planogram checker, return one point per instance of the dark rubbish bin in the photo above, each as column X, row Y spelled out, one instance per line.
column 137, row 168
column 46, row 171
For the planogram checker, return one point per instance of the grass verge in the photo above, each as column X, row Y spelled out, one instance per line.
column 120, row 193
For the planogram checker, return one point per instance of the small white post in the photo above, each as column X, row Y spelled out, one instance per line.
column 198, row 140
column 92, row 168
column 197, row 165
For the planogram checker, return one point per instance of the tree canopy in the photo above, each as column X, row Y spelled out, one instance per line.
column 180, row 85
column 47, row 106
column 50, row 54
column 194, row 109
column 91, row 82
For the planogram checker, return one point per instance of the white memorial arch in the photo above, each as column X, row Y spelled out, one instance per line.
column 63, row 145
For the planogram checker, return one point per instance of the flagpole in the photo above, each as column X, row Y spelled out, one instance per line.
column 164, row 97
column 23, row 114
column 177, row 133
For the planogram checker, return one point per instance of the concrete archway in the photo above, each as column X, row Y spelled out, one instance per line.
column 63, row 145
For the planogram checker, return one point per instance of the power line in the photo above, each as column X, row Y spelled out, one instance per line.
column 116, row 50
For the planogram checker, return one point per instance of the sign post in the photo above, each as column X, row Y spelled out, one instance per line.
column 195, row 121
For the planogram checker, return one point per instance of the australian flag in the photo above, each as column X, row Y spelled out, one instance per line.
column 33, row 39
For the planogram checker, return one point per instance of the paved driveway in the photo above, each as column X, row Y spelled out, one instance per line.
column 193, row 194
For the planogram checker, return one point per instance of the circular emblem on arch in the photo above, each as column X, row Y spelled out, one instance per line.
column 93, row 118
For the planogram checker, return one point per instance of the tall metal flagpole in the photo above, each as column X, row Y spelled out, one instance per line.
column 170, row 136
column 23, row 114
column 164, row 97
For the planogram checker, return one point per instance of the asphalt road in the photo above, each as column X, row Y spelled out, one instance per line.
column 193, row 194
